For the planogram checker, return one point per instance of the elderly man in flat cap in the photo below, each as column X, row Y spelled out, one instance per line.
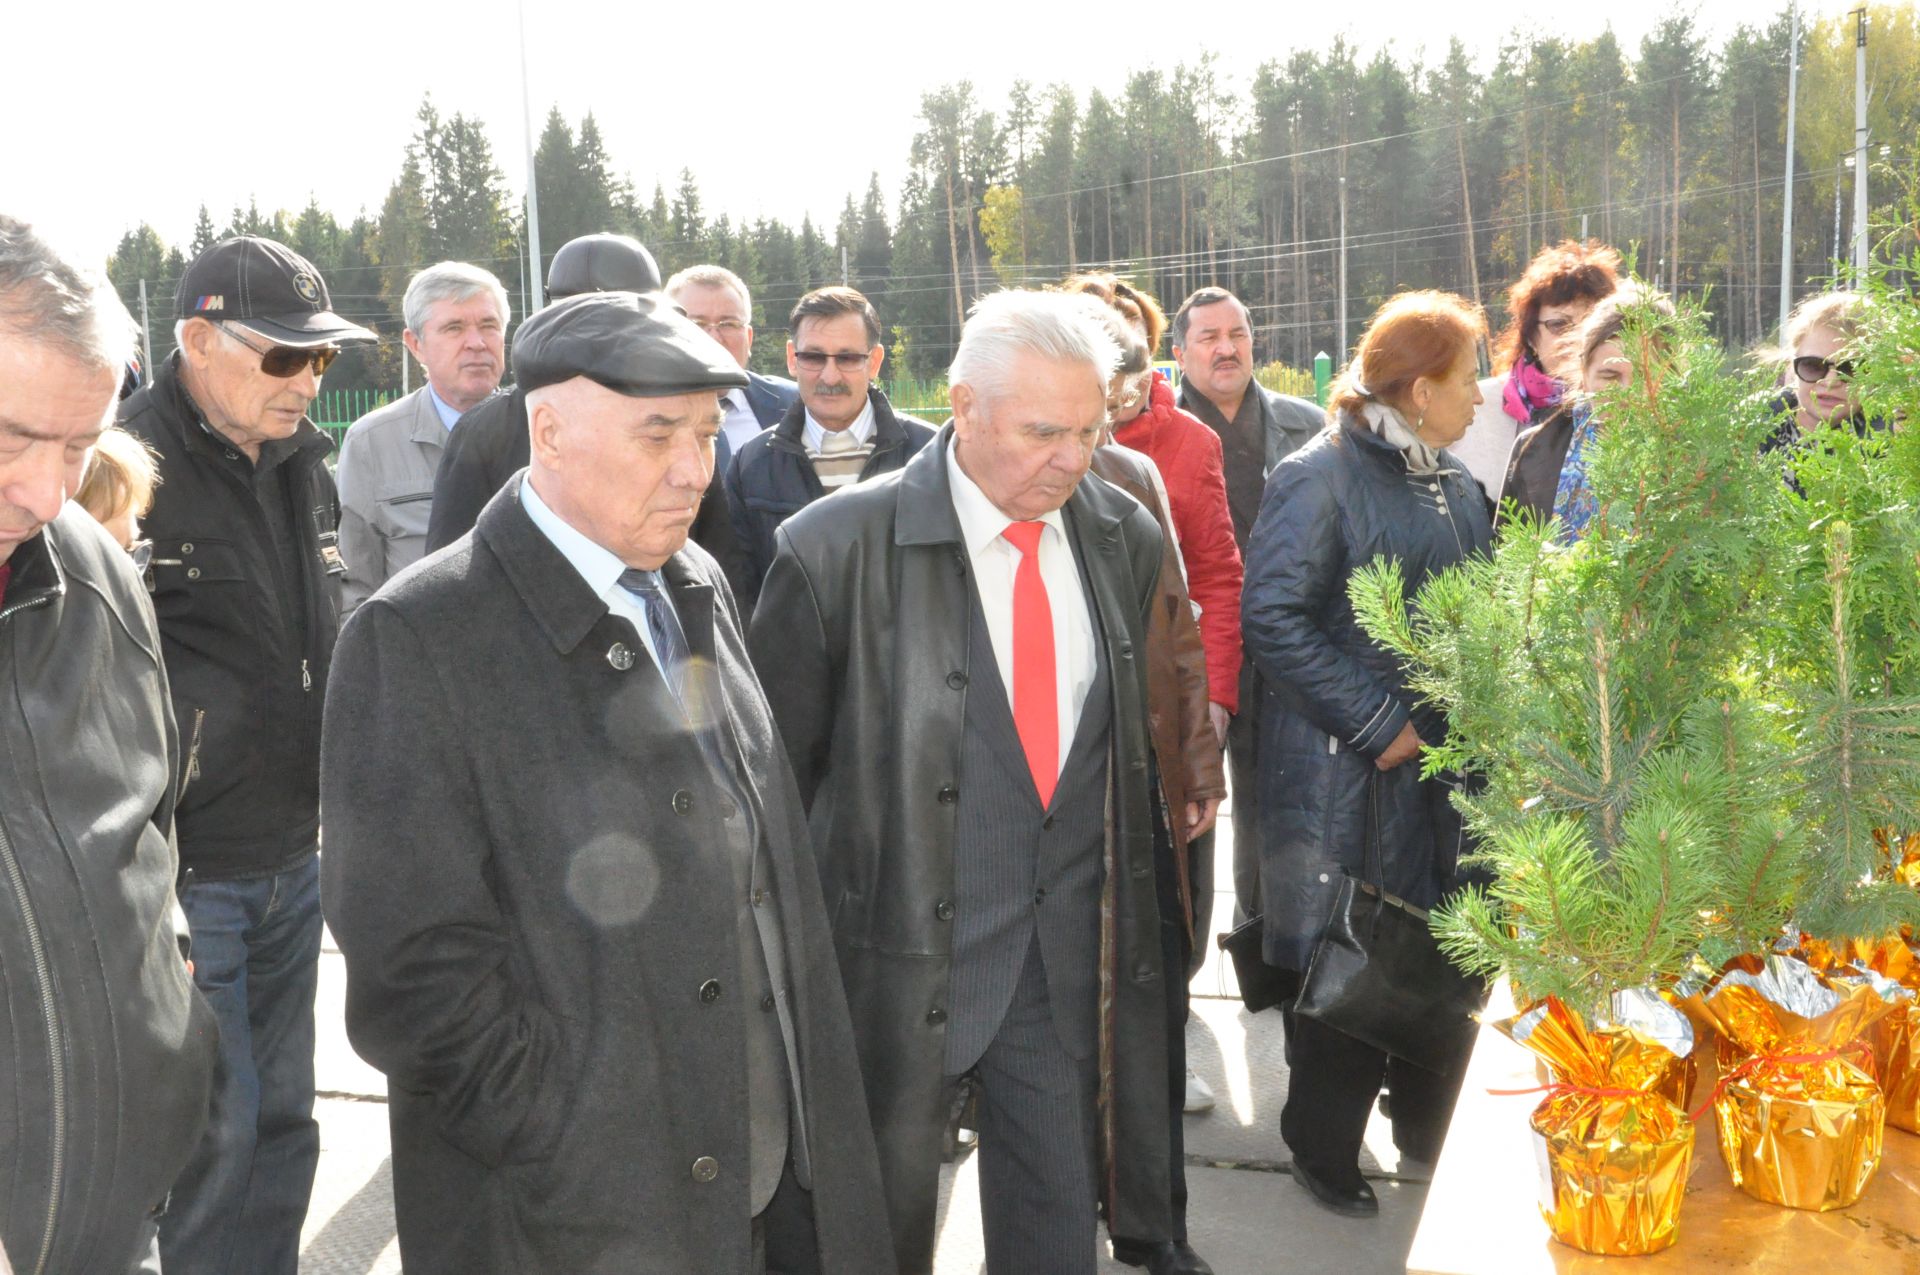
column 569, row 870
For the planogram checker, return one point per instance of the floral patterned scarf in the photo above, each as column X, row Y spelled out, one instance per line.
column 1573, row 502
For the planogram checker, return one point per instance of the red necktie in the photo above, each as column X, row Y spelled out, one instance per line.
column 1036, row 704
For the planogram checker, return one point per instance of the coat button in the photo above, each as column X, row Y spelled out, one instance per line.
column 620, row 655
column 193, row 573
column 682, row 802
column 1323, row 878
column 766, row 1002
column 187, row 547
column 758, row 897
column 1046, row 825
column 710, row 991
column 1040, row 896
column 957, row 680
column 1126, row 650
column 943, row 910
column 948, row 794
column 936, row 1016
column 1143, row 974
column 706, row 1169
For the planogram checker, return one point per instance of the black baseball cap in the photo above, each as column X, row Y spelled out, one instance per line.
column 632, row 343
column 267, row 287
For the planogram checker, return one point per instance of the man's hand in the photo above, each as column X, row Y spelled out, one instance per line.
column 1200, row 815
column 1219, row 717
column 1405, row 747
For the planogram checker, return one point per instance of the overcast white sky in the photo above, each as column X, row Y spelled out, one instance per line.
column 117, row 113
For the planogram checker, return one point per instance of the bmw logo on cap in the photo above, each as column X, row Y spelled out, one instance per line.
column 307, row 287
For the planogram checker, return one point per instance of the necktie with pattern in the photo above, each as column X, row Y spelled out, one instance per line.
column 663, row 626
column 1036, row 704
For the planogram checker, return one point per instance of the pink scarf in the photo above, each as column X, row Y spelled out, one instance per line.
column 1529, row 388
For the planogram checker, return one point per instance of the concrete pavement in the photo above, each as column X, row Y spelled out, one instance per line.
column 1246, row 1215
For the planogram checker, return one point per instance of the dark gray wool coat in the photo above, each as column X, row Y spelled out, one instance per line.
column 523, row 868
column 862, row 629
column 1336, row 699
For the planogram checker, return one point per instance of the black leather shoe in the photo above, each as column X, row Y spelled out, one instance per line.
column 1169, row 1257
column 1346, row 1199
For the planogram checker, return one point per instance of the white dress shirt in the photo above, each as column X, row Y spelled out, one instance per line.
column 443, row 409
column 741, row 424
column 862, row 428
column 596, row 565
column 994, row 561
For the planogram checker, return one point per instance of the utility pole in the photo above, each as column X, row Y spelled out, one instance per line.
column 533, row 194
column 146, row 337
column 1860, row 141
column 1786, row 195
column 1837, row 180
column 1345, row 347
column 845, row 282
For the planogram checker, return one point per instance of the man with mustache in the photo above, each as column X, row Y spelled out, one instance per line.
column 456, row 326
column 842, row 431
column 1213, row 343
column 245, row 584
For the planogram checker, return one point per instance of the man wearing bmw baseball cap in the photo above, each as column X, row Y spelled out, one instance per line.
column 243, row 575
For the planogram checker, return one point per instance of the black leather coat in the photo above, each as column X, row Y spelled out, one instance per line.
column 106, row 1062
column 861, row 641
column 1337, row 700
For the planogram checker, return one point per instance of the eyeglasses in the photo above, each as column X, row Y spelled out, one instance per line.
column 845, row 360
column 711, row 326
column 1811, row 368
column 1132, row 392
column 1558, row 327
column 285, row 360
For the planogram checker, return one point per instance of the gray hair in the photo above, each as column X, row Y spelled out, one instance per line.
column 1058, row 326
column 48, row 301
column 449, row 281
column 711, row 276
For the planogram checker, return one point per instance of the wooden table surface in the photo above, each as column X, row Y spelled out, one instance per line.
column 1481, row 1216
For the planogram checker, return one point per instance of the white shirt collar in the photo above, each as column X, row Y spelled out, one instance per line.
column 981, row 521
column 596, row 564
column 862, row 428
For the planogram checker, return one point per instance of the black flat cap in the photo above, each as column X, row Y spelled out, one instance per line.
column 633, row 343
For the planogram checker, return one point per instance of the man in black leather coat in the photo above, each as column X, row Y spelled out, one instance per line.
column 106, row 1066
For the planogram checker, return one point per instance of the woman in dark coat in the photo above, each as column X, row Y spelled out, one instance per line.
column 1341, row 726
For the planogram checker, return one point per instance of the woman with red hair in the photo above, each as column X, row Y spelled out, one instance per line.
column 1342, row 734
column 1531, row 378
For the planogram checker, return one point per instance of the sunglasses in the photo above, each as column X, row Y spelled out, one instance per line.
column 1812, row 368
column 845, row 360
column 284, row 360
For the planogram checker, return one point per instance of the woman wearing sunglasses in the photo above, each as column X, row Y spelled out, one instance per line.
column 1817, row 371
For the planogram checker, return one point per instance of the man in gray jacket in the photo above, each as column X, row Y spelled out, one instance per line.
column 106, row 1065
column 456, row 327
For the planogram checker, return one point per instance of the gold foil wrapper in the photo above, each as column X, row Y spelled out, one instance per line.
column 1614, row 1152
column 1896, row 1050
column 1801, row 1117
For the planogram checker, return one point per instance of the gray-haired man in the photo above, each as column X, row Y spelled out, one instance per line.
column 107, row 1059
column 456, row 318
column 979, row 798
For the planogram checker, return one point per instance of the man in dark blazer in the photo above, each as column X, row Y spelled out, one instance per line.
column 582, row 925
column 717, row 301
column 955, row 657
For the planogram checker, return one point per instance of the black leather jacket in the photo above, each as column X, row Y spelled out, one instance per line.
column 861, row 643
column 107, row 1060
column 247, row 684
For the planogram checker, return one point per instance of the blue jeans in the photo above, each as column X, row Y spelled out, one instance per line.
column 239, row 1204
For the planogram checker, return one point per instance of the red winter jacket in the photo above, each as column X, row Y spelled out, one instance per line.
column 1188, row 456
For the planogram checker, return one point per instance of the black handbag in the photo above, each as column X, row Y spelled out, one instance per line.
column 1262, row 986
column 1378, row 976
